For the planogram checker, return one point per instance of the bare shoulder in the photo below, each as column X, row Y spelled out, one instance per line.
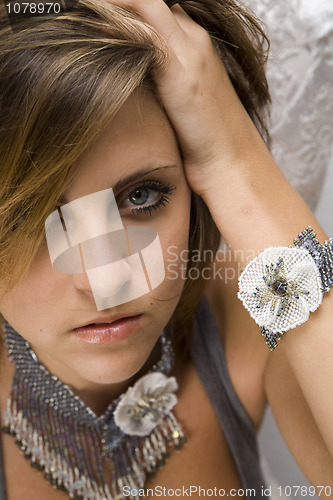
column 246, row 352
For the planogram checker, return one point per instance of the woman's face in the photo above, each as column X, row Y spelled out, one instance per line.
column 139, row 150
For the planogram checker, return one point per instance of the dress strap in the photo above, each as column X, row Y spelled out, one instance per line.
column 208, row 356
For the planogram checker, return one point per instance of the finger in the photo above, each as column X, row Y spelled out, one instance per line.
column 158, row 15
column 184, row 20
column 195, row 33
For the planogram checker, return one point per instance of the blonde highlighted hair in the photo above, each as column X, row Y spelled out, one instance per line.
column 63, row 79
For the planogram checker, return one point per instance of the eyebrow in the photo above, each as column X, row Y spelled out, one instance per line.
column 130, row 179
column 138, row 175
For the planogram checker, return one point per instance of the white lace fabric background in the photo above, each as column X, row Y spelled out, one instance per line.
column 300, row 75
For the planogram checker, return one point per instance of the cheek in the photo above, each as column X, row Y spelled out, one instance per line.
column 35, row 296
column 42, row 283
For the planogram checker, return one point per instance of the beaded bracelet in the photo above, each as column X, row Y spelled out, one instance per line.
column 281, row 286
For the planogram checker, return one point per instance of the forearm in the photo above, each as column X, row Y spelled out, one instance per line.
column 309, row 350
column 255, row 207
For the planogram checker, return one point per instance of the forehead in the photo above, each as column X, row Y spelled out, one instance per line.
column 139, row 137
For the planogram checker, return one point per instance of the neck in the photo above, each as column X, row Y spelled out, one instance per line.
column 99, row 396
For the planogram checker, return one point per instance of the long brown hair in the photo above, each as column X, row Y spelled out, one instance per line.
column 63, row 79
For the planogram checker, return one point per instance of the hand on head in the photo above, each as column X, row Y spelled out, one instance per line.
column 212, row 126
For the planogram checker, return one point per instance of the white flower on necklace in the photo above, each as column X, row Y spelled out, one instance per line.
column 143, row 406
column 280, row 288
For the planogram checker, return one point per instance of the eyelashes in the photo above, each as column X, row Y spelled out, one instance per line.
column 144, row 198
column 147, row 198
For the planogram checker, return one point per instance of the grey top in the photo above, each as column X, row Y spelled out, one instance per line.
column 208, row 357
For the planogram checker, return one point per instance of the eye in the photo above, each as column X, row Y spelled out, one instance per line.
column 146, row 198
column 139, row 196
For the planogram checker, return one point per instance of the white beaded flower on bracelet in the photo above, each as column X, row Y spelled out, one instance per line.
column 283, row 285
column 280, row 288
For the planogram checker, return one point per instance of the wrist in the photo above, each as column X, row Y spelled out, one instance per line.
column 228, row 142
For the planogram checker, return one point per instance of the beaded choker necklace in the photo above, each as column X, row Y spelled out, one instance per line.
column 91, row 457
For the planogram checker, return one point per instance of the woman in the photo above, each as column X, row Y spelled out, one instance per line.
column 131, row 99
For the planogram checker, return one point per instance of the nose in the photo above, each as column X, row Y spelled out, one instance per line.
column 101, row 281
column 81, row 282
column 107, row 283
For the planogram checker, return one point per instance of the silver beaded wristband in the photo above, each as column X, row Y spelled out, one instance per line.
column 281, row 286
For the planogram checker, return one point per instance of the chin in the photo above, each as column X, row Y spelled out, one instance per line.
column 109, row 376
column 108, row 370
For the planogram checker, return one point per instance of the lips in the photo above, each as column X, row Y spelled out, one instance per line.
column 106, row 321
column 106, row 330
